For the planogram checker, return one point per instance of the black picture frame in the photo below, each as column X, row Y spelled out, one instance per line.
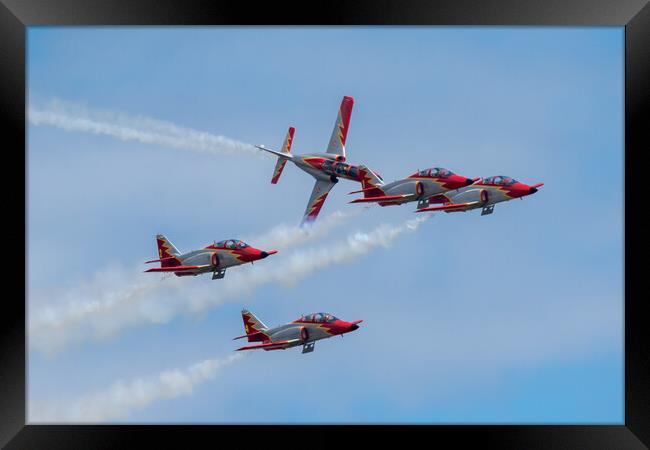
column 16, row 15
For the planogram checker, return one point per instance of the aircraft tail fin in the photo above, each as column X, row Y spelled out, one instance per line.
column 286, row 148
column 167, row 252
column 371, row 183
column 253, row 327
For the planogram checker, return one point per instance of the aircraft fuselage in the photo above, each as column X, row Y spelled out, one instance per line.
column 420, row 188
column 327, row 167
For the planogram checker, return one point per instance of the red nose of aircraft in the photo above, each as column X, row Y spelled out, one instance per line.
column 460, row 180
column 354, row 326
column 264, row 254
column 251, row 254
column 522, row 189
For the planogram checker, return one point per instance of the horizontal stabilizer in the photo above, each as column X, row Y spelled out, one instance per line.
column 451, row 207
column 286, row 149
column 174, row 268
column 256, row 333
column 362, row 190
column 270, row 345
column 168, row 258
column 382, row 198
column 275, row 152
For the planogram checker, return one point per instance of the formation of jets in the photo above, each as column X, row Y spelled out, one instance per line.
column 428, row 187
column 435, row 189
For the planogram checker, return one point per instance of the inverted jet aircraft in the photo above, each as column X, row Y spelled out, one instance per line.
column 484, row 193
column 419, row 186
column 304, row 331
column 215, row 258
column 326, row 167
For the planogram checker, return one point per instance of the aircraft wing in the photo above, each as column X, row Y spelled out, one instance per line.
column 336, row 145
column 175, row 268
column 277, row 345
column 451, row 207
column 382, row 198
column 318, row 196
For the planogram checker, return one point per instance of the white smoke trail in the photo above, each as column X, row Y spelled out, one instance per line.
column 100, row 309
column 284, row 236
column 91, row 299
column 123, row 397
column 75, row 117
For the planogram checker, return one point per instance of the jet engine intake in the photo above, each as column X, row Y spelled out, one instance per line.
column 484, row 196
column 419, row 188
column 304, row 334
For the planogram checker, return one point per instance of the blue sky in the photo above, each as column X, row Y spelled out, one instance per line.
column 516, row 317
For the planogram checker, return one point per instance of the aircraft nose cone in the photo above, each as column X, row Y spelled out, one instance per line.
column 532, row 190
column 264, row 254
column 469, row 181
column 354, row 326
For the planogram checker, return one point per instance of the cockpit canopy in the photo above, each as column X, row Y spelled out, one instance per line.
column 499, row 180
column 231, row 243
column 318, row 318
column 437, row 172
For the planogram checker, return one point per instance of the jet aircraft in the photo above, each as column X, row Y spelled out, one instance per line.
column 304, row 331
column 326, row 167
column 484, row 193
column 419, row 186
column 215, row 258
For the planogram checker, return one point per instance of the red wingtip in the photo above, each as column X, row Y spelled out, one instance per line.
column 356, row 322
column 537, row 185
column 272, row 252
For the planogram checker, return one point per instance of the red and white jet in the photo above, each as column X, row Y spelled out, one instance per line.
column 215, row 258
column 326, row 167
column 484, row 193
column 304, row 331
column 420, row 186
